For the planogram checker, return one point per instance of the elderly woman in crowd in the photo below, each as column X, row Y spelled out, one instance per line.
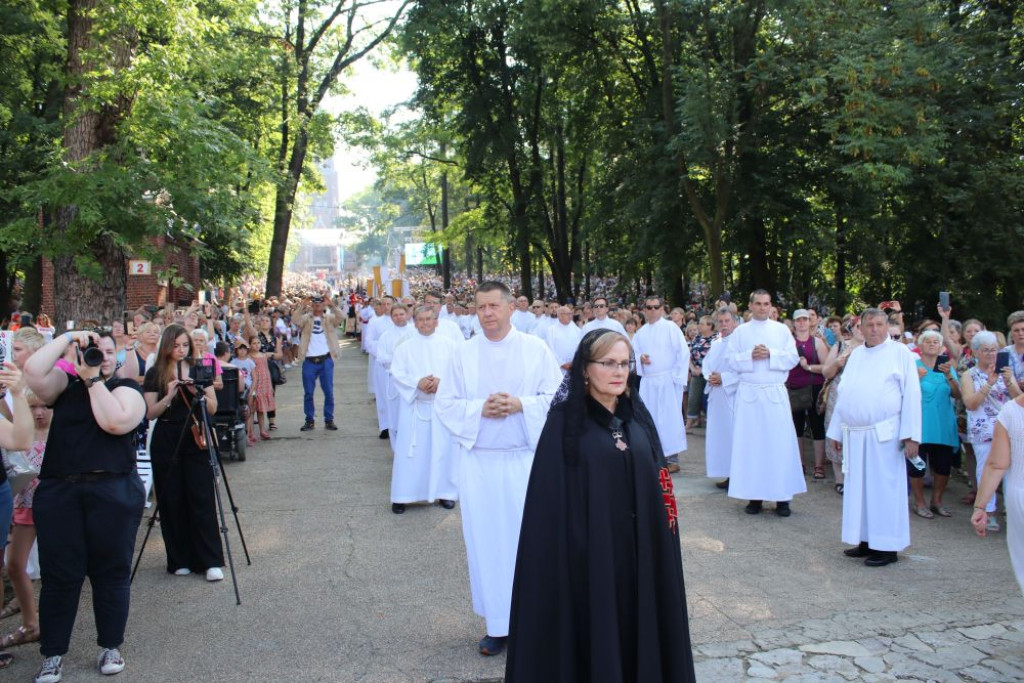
column 939, row 439
column 1006, row 458
column 699, row 347
column 984, row 392
column 1015, row 323
column 835, row 363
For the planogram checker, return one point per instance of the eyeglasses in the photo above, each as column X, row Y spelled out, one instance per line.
column 894, row 336
column 600, row 305
column 612, row 365
column 652, row 308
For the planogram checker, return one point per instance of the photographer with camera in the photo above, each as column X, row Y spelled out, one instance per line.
column 89, row 500
column 182, row 474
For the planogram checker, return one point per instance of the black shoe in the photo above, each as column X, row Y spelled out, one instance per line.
column 753, row 507
column 330, row 426
column 398, row 508
column 861, row 550
column 782, row 510
column 491, row 645
column 724, row 484
column 308, row 427
column 881, row 558
column 446, row 504
column 383, row 434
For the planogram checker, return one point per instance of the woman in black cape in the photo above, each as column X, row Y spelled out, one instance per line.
column 598, row 593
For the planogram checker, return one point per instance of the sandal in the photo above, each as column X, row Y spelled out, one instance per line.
column 969, row 498
column 265, row 436
column 5, row 659
column 924, row 512
column 20, row 636
column 10, row 609
column 839, row 488
column 272, row 427
column 819, row 472
column 941, row 510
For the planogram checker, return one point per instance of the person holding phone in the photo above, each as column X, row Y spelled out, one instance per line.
column 984, row 392
column 1015, row 351
column 182, row 474
column 939, row 440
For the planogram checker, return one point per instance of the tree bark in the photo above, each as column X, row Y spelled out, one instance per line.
column 87, row 129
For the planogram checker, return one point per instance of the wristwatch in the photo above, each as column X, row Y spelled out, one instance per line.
column 93, row 380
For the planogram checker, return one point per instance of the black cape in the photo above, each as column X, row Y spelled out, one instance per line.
column 598, row 593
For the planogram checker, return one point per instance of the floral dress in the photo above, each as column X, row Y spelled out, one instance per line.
column 981, row 422
column 35, row 456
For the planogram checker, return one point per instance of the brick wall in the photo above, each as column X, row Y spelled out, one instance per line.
column 144, row 289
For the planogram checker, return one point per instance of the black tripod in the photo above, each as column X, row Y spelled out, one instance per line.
column 198, row 405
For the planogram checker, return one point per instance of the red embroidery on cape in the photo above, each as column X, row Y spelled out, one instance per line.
column 668, row 495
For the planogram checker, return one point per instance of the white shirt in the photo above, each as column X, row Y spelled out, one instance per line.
column 317, row 339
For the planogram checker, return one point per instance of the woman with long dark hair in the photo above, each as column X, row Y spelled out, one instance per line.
column 182, row 474
column 598, row 592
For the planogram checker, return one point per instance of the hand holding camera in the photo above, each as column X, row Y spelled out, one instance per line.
column 11, row 379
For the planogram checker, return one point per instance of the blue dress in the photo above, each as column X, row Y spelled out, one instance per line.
column 938, row 420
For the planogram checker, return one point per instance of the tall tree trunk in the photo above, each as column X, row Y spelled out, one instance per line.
column 446, row 257
column 32, row 291
column 90, row 126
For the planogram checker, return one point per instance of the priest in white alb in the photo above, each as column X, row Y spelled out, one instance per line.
column 423, row 466
column 385, row 347
column 876, row 425
column 380, row 324
column 601, row 320
column 663, row 364
column 522, row 318
column 765, row 462
column 494, row 400
column 720, row 388
column 450, row 327
column 563, row 338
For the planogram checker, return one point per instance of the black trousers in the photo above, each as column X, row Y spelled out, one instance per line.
column 184, row 492
column 86, row 529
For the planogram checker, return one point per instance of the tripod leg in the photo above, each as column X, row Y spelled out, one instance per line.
column 142, row 548
column 234, row 509
column 215, row 466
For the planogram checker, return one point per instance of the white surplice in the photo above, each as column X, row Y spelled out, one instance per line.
column 718, row 438
column 424, row 463
column 495, row 455
column 664, row 379
column 523, row 320
column 385, row 348
column 366, row 314
column 563, row 340
column 451, row 328
column 377, row 327
column 607, row 324
column 541, row 324
column 765, row 462
column 877, row 406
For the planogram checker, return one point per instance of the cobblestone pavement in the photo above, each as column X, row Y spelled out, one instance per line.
column 342, row 590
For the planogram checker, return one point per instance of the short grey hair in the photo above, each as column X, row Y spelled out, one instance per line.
column 199, row 330
column 984, row 338
column 730, row 312
column 929, row 334
column 873, row 313
column 424, row 308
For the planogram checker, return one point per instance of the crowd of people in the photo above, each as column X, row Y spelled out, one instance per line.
column 544, row 420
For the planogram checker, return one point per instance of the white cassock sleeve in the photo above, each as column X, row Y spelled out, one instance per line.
column 782, row 353
column 403, row 372
column 681, row 373
column 459, row 413
column 910, row 411
column 546, row 383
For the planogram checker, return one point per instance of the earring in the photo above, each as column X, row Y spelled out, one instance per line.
column 586, row 380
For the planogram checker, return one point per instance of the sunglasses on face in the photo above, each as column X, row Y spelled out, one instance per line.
column 894, row 336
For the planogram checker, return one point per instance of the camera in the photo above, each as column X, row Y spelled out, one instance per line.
column 91, row 354
column 201, row 375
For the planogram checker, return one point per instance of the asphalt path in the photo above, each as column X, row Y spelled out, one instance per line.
column 341, row 589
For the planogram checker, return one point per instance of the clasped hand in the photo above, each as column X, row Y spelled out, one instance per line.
column 428, row 385
column 760, row 352
column 501, row 405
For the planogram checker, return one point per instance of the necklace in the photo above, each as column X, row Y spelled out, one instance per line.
column 617, row 435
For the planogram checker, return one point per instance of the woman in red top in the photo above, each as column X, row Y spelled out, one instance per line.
column 805, row 382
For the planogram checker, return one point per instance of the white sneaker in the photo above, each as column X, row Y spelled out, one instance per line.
column 110, row 661
column 49, row 672
column 214, row 574
column 184, row 571
column 993, row 524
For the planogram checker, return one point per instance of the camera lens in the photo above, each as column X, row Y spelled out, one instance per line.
column 92, row 356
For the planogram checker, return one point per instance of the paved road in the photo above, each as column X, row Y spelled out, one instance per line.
column 342, row 590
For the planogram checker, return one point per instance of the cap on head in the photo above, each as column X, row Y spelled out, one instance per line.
column 801, row 313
